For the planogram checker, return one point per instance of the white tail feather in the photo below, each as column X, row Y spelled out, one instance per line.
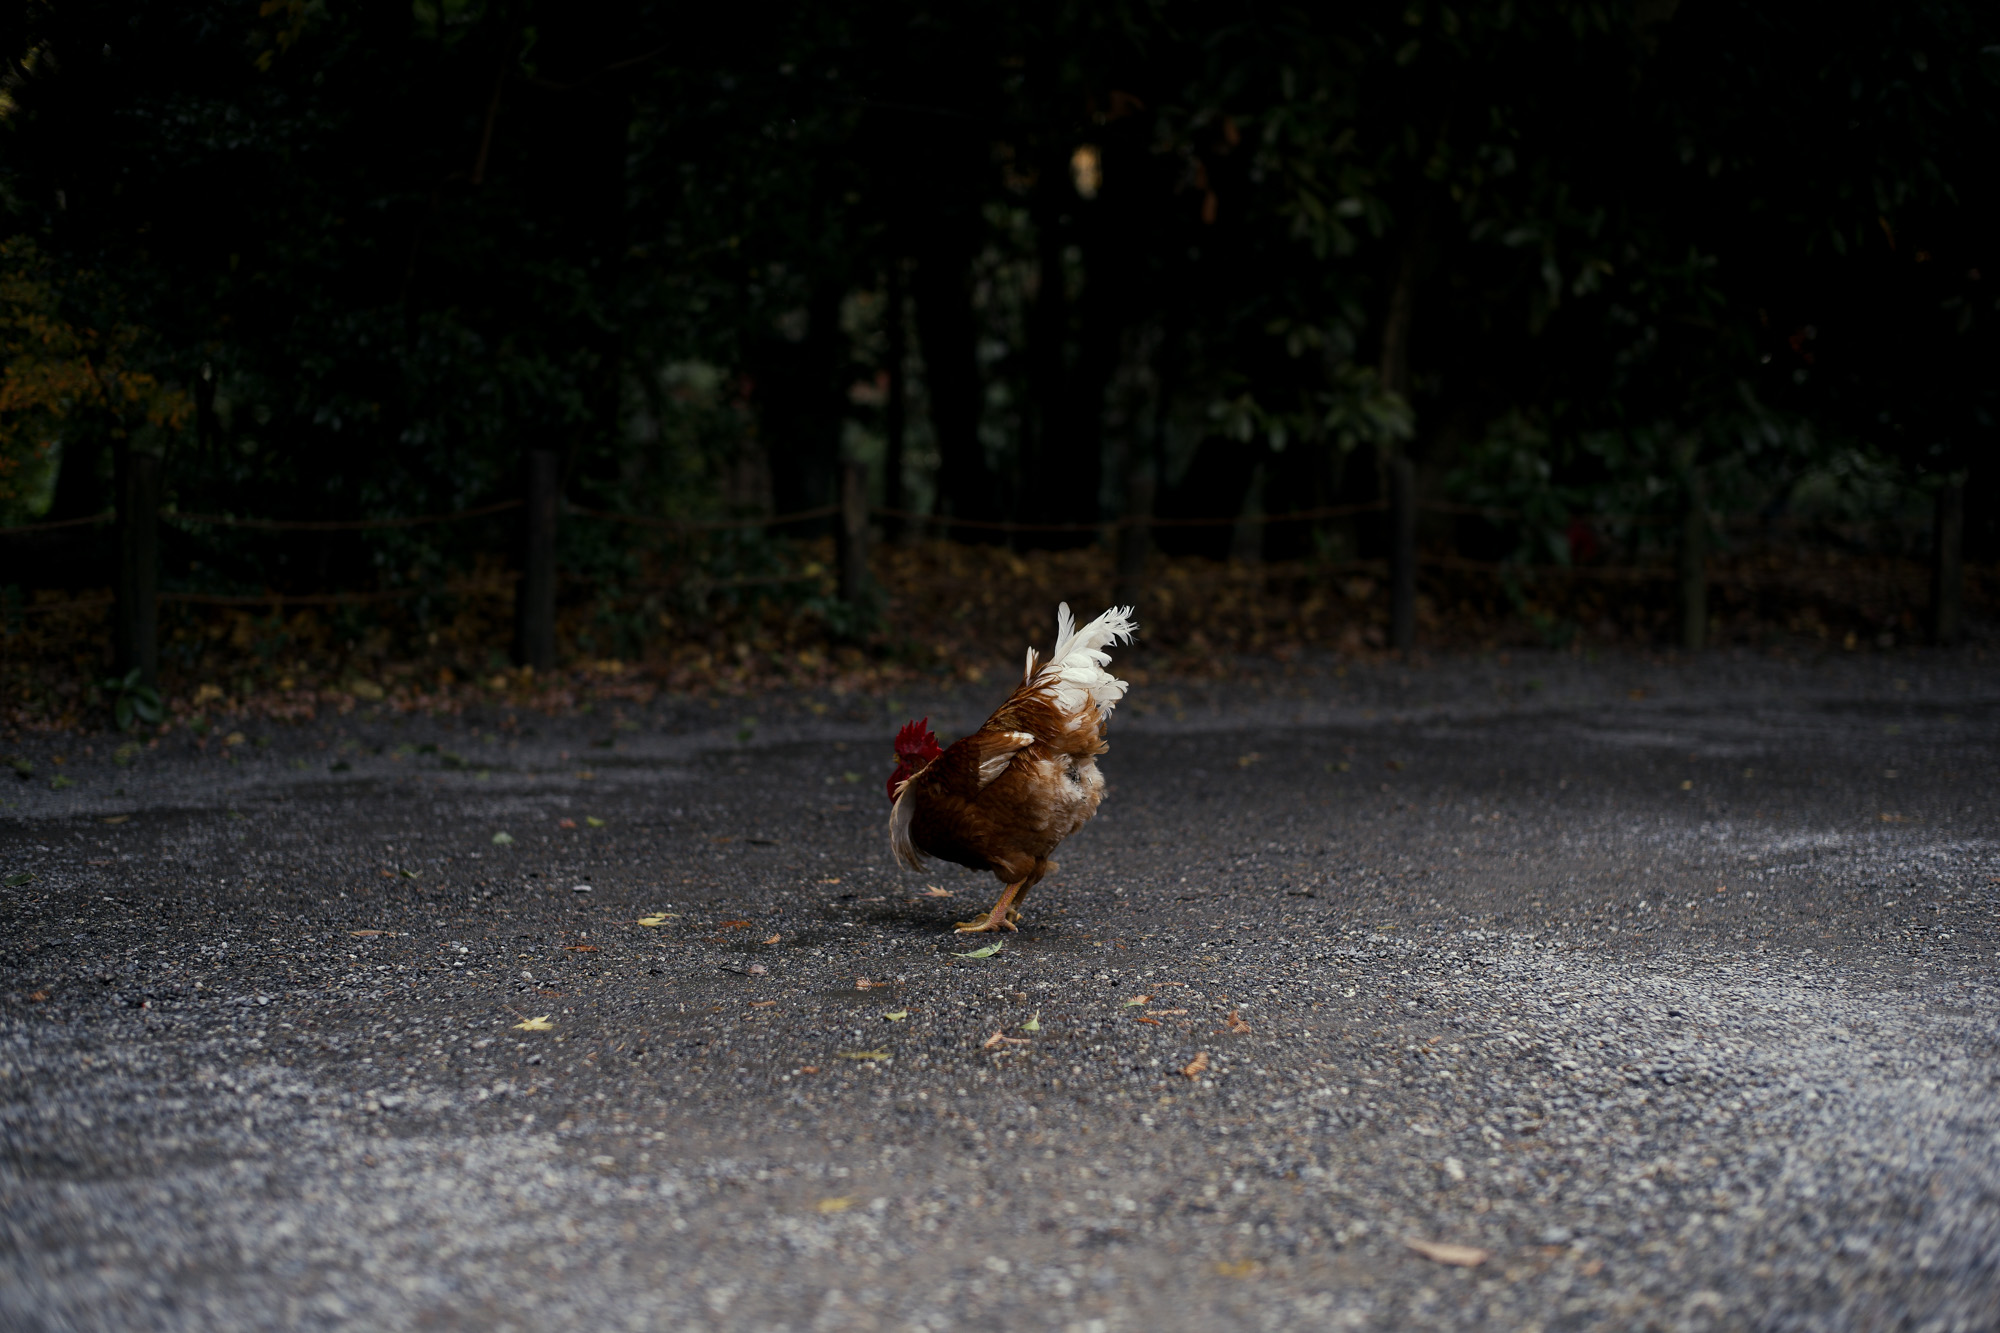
column 1075, row 668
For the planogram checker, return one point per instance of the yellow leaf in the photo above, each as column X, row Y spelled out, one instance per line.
column 839, row 1204
column 1460, row 1256
column 541, row 1024
column 898, row 1016
column 657, row 919
column 1034, row 1024
column 593, row 821
column 1138, row 999
column 863, row 1055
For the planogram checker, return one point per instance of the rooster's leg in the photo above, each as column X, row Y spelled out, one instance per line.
column 1002, row 916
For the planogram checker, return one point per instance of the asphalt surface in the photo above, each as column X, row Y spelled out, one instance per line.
column 1670, row 988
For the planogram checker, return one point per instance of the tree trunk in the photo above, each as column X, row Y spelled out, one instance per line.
column 853, row 533
column 136, row 634
column 1395, row 373
column 951, row 368
column 535, row 598
column 895, row 413
column 1402, row 553
column 1694, row 567
column 1948, row 564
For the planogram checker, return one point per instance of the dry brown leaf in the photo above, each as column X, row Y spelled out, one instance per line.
column 1000, row 1038
column 39, row 996
column 734, row 925
column 1196, row 1067
column 863, row 983
column 116, row 819
column 581, row 948
column 1236, row 1023
column 1141, row 1018
column 808, row 1069
column 565, row 823
column 1138, row 999
column 933, row 891
column 366, row 933
column 1459, row 1256
column 762, row 1004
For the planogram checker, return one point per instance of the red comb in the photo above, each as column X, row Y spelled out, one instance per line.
column 916, row 739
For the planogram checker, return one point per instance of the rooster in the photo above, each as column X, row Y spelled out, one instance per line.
column 1002, row 798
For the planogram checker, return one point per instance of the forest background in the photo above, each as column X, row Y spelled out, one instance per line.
column 1095, row 296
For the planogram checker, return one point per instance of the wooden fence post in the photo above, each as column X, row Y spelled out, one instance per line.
column 535, row 606
column 1402, row 552
column 1948, row 564
column 1694, row 568
column 853, row 534
column 136, row 633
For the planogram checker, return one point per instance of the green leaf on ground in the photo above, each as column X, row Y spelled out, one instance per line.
column 502, row 839
column 987, row 952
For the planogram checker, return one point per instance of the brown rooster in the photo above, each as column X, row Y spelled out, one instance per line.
column 1002, row 798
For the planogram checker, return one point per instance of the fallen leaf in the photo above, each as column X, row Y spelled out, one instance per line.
column 1196, row 1067
column 837, row 1205
column 734, row 925
column 863, row 983
column 863, row 1055
column 830, row 881
column 20, row 877
column 657, row 919
column 762, row 1004
column 808, row 1069
column 898, row 1016
column 38, row 996
column 565, row 823
column 1460, row 1256
column 1137, row 1000
column 1241, row 1268
column 1159, row 1013
column 933, row 891
column 116, row 819
column 541, row 1024
column 1000, row 1038
column 579, row 888
column 592, row 820
column 774, row 939
column 413, row 874
column 1245, row 760
column 1034, row 1024
column 1236, row 1023
column 1141, row 1018
column 502, row 839
column 367, row 932
column 987, row 952
column 581, row 948
column 387, row 874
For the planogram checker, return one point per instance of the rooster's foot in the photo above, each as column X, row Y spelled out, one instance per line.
column 1002, row 917
column 984, row 921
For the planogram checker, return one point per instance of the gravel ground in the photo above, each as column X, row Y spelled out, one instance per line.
column 1671, row 988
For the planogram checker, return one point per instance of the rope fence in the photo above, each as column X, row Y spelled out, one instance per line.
column 544, row 503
